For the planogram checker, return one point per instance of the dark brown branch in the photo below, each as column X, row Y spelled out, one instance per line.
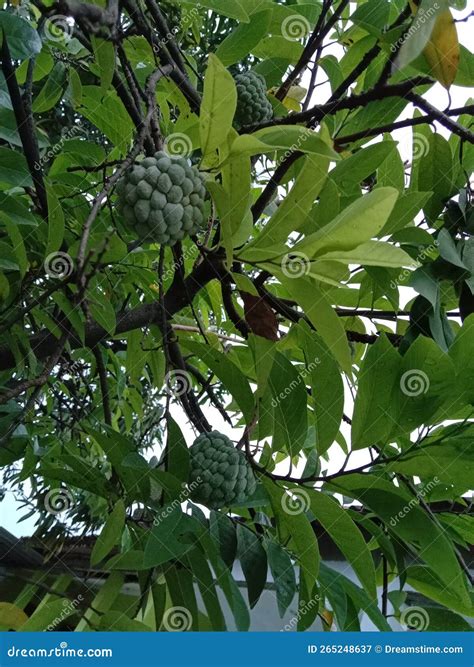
column 317, row 113
column 25, row 126
column 104, row 385
column 319, row 34
column 441, row 117
column 408, row 122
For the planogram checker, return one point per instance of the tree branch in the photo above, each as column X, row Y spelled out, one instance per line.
column 25, row 126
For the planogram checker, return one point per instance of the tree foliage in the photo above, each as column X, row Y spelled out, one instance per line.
column 285, row 320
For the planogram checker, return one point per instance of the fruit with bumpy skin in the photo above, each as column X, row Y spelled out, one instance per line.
column 253, row 106
column 220, row 475
column 162, row 199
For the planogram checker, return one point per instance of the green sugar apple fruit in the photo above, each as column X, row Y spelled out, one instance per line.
column 220, row 475
column 253, row 106
column 162, row 199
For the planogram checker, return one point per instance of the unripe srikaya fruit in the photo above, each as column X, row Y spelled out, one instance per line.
column 162, row 199
column 220, row 475
column 253, row 106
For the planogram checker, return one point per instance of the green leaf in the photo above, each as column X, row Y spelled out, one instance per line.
column 451, row 462
column 277, row 44
column 14, row 169
column 224, row 533
column 295, row 524
column 356, row 224
column 240, row 42
column 374, row 417
column 232, row 377
column 436, row 174
column 307, row 187
column 420, row 32
column 52, row 90
column 348, row 174
column 218, row 107
column 411, row 524
column 116, row 447
column 168, row 538
column 426, row 582
column 55, row 221
column 440, row 620
column 205, row 580
column 110, row 535
column 11, row 617
column 104, row 53
column 318, row 309
column 44, row 616
column 102, row 602
column 289, row 406
column 372, row 253
column 109, row 115
column 23, row 40
column 358, row 596
column 117, row 621
column 287, row 138
column 253, row 559
column 177, row 451
column 283, row 574
column 326, row 384
column 102, row 310
column 346, row 535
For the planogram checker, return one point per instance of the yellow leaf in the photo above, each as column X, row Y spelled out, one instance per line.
column 442, row 51
column 328, row 617
column 291, row 104
column 297, row 93
column 11, row 617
